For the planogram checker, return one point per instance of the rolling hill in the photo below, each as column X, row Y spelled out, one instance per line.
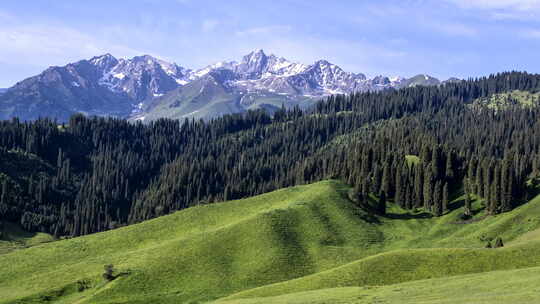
column 292, row 240
column 482, row 288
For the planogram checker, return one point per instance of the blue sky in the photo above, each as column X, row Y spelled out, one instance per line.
column 463, row 38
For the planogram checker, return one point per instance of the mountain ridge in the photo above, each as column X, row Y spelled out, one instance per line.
column 130, row 88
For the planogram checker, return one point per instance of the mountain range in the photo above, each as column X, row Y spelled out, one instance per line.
column 146, row 88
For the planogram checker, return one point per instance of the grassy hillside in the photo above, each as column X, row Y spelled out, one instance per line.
column 409, row 265
column 197, row 254
column 305, row 237
column 507, row 99
column 201, row 98
column 12, row 237
column 455, row 248
column 483, row 288
column 207, row 98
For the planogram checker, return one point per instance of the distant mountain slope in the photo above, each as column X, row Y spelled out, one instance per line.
column 133, row 88
column 102, row 86
column 307, row 233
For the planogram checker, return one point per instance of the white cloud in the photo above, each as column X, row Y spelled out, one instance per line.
column 264, row 30
column 46, row 44
column 520, row 10
column 519, row 5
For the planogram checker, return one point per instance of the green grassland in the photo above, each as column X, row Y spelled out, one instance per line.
column 497, row 287
column 412, row 160
column 206, row 98
column 507, row 99
column 285, row 242
column 201, row 98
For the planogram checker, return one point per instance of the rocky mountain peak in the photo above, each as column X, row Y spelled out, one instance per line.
column 104, row 62
column 253, row 65
column 254, row 56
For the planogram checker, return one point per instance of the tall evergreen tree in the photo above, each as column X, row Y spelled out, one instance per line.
column 445, row 198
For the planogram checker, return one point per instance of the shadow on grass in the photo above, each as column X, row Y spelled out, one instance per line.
column 408, row 216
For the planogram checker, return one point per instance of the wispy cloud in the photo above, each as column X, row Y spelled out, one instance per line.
column 265, row 30
column 36, row 44
column 519, row 5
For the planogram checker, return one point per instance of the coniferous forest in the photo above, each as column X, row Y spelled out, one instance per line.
column 413, row 146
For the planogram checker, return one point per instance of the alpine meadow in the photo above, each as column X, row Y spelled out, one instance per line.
column 134, row 179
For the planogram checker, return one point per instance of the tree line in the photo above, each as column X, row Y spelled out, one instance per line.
column 94, row 174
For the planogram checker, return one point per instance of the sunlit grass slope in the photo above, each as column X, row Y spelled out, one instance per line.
column 497, row 287
column 409, row 265
column 506, row 99
column 453, row 247
column 197, row 254
column 291, row 240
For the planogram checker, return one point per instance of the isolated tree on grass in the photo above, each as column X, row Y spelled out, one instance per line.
column 467, row 211
column 498, row 242
column 109, row 272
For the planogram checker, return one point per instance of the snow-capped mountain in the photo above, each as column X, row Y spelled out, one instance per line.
column 141, row 77
column 258, row 71
column 147, row 88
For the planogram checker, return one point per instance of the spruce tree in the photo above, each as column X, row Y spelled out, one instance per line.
column 381, row 207
column 445, row 198
column 385, row 182
column 399, row 195
column 436, row 163
column 449, row 171
column 418, row 186
column 437, row 199
column 428, row 189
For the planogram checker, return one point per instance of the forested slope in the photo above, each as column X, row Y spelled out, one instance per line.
column 97, row 174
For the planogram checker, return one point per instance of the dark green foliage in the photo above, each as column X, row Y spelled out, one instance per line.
column 437, row 199
column 82, row 285
column 381, row 206
column 498, row 243
column 108, row 273
column 445, row 198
